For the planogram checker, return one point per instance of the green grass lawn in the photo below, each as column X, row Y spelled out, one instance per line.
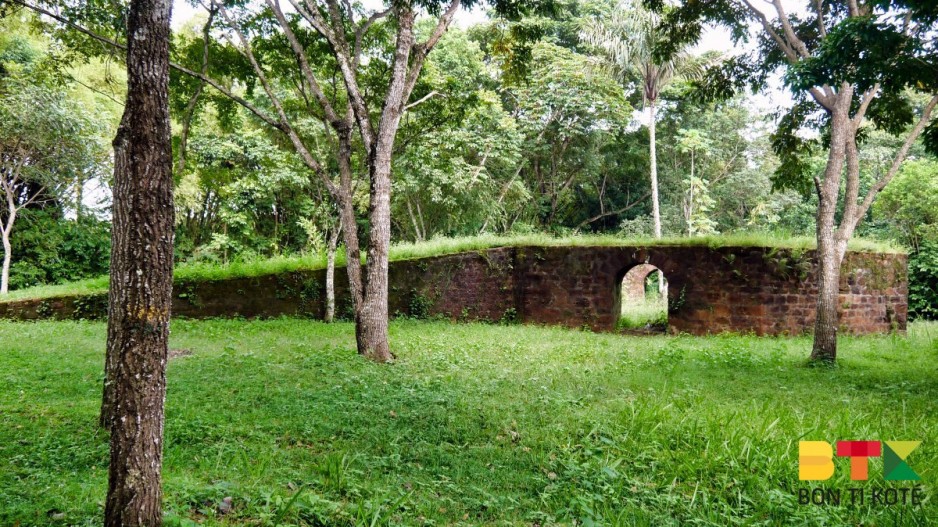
column 474, row 424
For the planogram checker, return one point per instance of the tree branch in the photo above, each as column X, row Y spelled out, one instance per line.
column 822, row 98
column 340, row 51
column 362, row 29
column 298, row 144
column 422, row 50
column 182, row 69
column 900, row 157
column 796, row 42
column 614, row 212
column 865, row 101
column 422, row 99
column 305, row 68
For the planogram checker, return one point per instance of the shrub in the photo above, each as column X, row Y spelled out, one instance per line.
column 923, row 282
column 50, row 250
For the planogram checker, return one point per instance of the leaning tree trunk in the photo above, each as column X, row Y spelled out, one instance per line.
column 141, row 274
column 653, row 160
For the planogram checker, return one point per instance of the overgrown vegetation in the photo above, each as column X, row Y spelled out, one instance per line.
column 474, row 424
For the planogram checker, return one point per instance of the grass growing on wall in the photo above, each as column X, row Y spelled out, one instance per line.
column 437, row 247
column 474, row 425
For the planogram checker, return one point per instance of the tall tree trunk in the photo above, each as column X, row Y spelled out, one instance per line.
column 141, row 275
column 347, row 220
column 829, row 251
column 371, row 328
column 653, row 160
column 330, row 272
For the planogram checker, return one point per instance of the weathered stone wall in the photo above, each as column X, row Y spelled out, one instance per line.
column 741, row 289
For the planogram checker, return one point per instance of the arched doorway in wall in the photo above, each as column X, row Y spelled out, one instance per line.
column 643, row 299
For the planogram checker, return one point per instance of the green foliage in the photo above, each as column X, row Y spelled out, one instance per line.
column 419, row 305
column 571, row 118
column 923, row 282
column 462, row 175
column 49, row 140
column 649, row 313
column 698, row 206
column 50, row 250
column 479, row 424
column 910, row 202
column 241, row 196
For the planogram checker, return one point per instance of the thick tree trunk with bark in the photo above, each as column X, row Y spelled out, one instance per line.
column 141, row 275
column 827, row 320
column 372, row 318
column 344, row 36
column 837, row 101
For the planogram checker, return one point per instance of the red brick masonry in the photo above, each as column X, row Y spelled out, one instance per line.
column 766, row 291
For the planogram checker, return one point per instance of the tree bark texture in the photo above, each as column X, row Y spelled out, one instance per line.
column 141, row 275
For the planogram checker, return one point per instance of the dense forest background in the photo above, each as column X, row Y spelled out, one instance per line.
column 502, row 136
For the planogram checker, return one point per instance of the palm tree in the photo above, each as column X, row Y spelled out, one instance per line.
column 626, row 39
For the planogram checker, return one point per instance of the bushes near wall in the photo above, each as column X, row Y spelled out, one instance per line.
column 923, row 282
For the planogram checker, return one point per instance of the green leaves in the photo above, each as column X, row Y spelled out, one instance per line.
column 794, row 150
column 863, row 51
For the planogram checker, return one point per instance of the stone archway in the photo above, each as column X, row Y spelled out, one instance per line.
column 643, row 299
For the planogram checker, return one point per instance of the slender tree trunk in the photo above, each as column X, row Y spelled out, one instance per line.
column 418, row 236
column 79, row 197
column 141, row 275
column 653, row 160
column 330, row 273
column 371, row 326
column 5, row 231
column 7, row 258
column 347, row 220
